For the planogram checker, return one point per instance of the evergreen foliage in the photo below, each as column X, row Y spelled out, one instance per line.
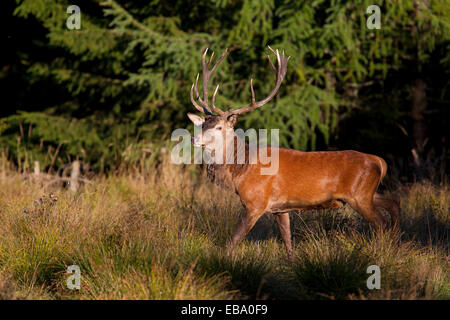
column 124, row 78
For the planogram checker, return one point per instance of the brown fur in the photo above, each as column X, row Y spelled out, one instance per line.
column 304, row 181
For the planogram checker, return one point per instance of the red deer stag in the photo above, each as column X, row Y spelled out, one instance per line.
column 304, row 180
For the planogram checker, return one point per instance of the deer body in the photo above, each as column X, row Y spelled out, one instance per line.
column 308, row 179
column 304, row 180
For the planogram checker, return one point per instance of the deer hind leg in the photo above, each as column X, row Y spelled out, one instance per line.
column 247, row 223
column 363, row 200
column 366, row 208
column 391, row 206
column 282, row 219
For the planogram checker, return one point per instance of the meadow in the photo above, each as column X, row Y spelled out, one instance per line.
column 160, row 233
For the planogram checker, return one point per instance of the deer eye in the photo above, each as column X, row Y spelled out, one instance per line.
column 219, row 128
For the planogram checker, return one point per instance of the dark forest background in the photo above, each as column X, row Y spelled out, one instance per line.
column 111, row 93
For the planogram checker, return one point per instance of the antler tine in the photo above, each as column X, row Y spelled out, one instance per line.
column 210, row 58
column 199, row 108
column 197, row 95
column 280, row 73
column 214, row 98
column 196, row 86
column 219, row 60
column 271, row 64
column 206, row 75
column 205, row 109
column 204, row 102
column 213, row 106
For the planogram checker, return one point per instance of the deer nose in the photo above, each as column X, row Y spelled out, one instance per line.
column 195, row 141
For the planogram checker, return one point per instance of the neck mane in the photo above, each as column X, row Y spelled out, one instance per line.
column 236, row 164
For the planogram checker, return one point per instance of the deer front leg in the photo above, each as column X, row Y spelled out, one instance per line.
column 285, row 230
column 247, row 223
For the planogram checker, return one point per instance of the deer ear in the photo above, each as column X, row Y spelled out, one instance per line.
column 232, row 120
column 197, row 120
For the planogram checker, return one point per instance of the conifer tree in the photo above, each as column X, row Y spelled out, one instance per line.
column 123, row 79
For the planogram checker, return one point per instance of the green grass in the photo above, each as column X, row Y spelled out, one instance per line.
column 162, row 235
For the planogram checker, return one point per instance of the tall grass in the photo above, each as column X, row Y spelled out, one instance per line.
column 161, row 234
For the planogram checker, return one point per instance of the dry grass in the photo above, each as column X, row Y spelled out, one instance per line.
column 161, row 235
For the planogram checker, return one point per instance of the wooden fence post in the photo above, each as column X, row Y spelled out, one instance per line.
column 37, row 170
column 74, row 175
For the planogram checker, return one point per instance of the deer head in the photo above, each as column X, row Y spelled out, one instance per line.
column 219, row 127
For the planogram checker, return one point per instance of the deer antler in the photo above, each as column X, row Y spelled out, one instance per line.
column 280, row 72
column 204, row 103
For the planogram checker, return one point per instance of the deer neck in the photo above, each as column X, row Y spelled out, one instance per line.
column 236, row 160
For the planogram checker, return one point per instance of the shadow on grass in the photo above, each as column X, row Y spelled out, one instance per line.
column 330, row 273
column 426, row 229
column 246, row 272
